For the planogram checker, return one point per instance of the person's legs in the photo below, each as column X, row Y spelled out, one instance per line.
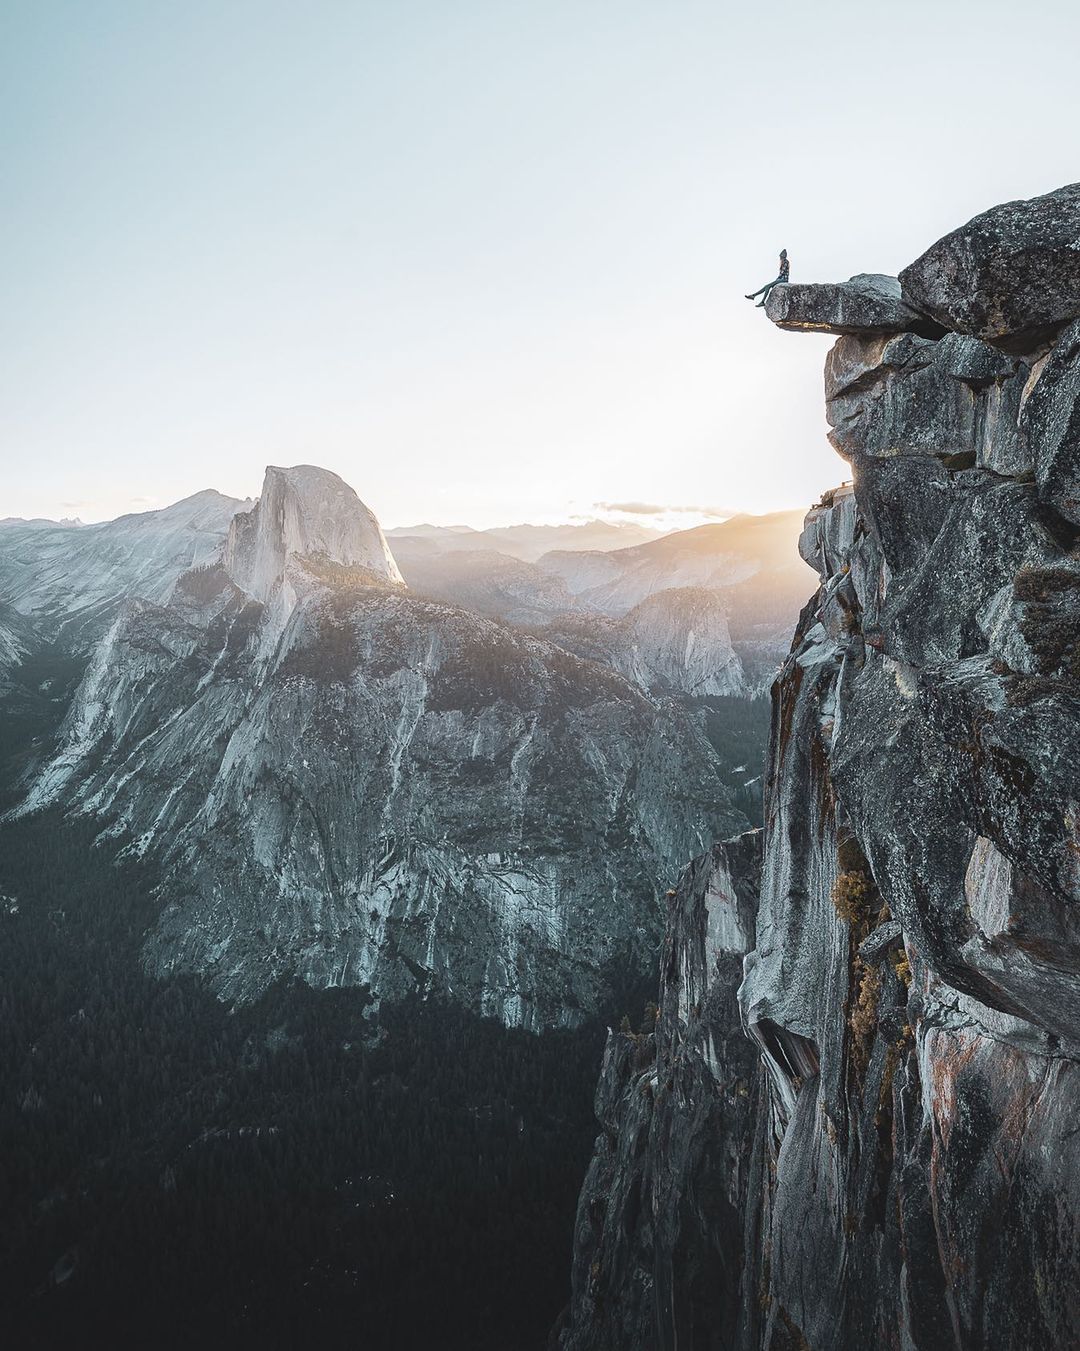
column 764, row 293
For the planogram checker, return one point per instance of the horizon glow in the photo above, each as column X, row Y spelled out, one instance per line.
column 485, row 261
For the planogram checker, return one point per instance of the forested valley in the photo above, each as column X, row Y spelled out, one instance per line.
column 177, row 1173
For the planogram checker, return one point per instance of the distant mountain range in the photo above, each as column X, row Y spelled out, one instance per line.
column 526, row 542
column 749, row 564
column 65, row 578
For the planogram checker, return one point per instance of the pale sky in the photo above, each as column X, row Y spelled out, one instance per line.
column 484, row 259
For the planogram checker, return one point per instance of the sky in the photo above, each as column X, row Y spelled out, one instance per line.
column 485, row 259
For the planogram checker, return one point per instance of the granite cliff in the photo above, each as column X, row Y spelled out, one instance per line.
column 854, row 1121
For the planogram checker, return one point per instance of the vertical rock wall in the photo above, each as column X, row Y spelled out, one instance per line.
column 658, row 1250
column 907, row 1172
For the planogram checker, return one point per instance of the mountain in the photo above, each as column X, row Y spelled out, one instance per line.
column 345, row 782
column 65, row 522
column 70, row 580
column 599, row 603
column 676, row 641
column 750, row 561
column 852, row 1122
column 489, row 582
column 286, row 835
column 528, row 542
column 303, row 515
column 723, row 557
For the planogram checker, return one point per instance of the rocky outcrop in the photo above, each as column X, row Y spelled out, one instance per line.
column 349, row 784
column 913, row 989
column 868, row 304
column 1010, row 275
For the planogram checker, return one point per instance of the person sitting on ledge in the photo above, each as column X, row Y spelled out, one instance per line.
column 785, row 272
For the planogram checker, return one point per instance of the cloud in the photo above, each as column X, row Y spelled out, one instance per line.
column 141, row 501
column 661, row 509
column 631, row 508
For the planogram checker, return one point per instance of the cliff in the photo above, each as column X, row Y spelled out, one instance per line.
column 880, row 1147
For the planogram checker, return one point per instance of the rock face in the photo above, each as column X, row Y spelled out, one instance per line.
column 659, row 1223
column 304, row 512
column 912, row 981
column 353, row 785
column 868, row 304
column 1010, row 275
column 14, row 641
column 1049, row 427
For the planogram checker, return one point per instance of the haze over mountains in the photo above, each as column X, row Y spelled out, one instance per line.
column 527, row 542
column 749, row 564
column 67, row 580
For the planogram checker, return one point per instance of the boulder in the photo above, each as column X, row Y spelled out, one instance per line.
column 868, row 304
column 1010, row 276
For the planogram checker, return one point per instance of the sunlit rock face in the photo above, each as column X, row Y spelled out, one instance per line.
column 353, row 785
column 304, row 512
column 912, row 983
